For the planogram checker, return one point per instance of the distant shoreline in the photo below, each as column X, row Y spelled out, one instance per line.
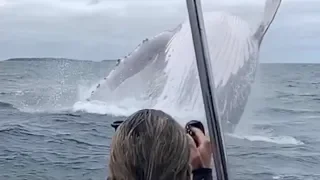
column 112, row 60
column 55, row 59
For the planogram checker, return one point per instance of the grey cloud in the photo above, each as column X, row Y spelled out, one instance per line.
column 109, row 29
column 82, row 35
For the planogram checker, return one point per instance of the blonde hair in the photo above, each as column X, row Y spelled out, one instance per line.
column 150, row 145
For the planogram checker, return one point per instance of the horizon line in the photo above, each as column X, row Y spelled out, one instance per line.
column 115, row 59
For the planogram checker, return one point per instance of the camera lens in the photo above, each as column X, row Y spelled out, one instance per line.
column 116, row 124
column 196, row 124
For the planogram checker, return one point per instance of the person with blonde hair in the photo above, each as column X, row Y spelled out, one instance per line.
column 151, row 145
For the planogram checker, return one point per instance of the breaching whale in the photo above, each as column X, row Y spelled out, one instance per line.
column 162, row 71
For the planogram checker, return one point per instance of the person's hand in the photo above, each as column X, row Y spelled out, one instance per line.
column 201, row 155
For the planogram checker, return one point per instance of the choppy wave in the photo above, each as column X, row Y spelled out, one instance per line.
column 16, row 93
column 19, row 130
column 100, row 107
column 294, row 111
column 297, row 177
column 282, row 140
column 4, row 105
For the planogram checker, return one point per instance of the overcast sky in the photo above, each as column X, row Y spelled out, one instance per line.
column 109, row 29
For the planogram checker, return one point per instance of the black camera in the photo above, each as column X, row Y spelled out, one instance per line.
column 195, row 124
column 116, row 124
column 189, row 125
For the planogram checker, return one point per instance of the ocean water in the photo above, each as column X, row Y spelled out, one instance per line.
column 46, row 134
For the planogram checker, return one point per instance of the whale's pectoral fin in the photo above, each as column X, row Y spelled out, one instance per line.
column 270, row 11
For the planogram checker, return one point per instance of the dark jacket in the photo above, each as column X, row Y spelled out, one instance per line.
column 202, row 174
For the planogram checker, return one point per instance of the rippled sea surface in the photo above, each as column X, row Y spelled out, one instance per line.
column 42, row 135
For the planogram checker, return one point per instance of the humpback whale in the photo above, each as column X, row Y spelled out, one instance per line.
column 161, row 72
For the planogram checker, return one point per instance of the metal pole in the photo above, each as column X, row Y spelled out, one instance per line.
column 207, row 87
